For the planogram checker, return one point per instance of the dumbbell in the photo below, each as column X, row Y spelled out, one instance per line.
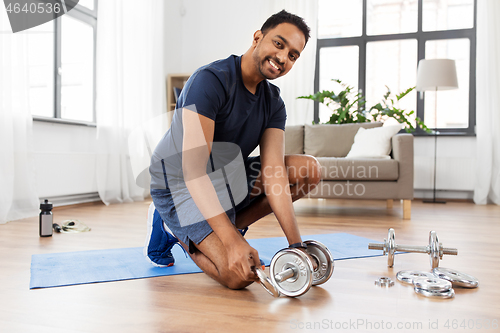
column 292, row 272
column 435, row 250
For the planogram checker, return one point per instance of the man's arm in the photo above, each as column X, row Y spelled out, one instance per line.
column 275, row 182
column 197, row 143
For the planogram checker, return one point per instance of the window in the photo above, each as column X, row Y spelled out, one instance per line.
column 391, row 63
column 391, row 16
column 338, row 62
column 62, row 66
column 340, row 18
column 369, row 44
column 41, row 78
column 453, row 105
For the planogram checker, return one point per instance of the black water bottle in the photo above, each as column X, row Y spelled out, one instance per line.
column 46, row 219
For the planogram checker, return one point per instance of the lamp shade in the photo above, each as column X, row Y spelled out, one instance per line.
column 436, row 74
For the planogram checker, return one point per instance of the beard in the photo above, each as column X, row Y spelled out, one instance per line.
column 261, row 63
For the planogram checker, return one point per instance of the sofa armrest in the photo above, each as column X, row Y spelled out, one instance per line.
column 402, row 151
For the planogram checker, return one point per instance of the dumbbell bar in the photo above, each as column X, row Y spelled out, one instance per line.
column 435, row 250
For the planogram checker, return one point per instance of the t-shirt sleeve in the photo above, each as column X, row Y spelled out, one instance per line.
column 278, row 116
column 205, row 91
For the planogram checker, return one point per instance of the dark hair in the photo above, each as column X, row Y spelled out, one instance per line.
column 286, row 17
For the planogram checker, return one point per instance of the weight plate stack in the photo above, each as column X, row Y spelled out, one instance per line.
column 457, row 278
column 435, row 294
column 409, row 276
column 324, row 258
column 432, row 284
column 297, row 268
column 433, row 287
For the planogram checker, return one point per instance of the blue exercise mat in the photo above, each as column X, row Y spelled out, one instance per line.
column 70, row 268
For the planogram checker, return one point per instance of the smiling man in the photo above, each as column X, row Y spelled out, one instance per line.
column 227, row 109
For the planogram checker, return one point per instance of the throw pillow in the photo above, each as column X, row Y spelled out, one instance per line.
column 373, row 143
column 332, row 140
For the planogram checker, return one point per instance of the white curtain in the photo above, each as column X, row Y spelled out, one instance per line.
column 18, row 197
column 130, row 89
column 487, row 187
column 300, row 80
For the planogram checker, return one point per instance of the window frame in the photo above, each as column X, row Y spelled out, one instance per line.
column 422, row 37
column 89, row 17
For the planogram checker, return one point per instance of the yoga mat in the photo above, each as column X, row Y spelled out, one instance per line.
column 70, row 268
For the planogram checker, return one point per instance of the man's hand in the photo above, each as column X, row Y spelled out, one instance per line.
column 241, row 259
column 314, row 261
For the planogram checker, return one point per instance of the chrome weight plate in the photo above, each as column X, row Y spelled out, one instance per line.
column 409, row 276
column 432, row 284
column 457, row 278
column 434, row 249
column 435, row 294
column 266, row 283
column 325, row 261
column 295, row 264
column 390, row 247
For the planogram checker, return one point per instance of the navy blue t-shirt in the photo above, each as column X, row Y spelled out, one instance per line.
column 217, row 92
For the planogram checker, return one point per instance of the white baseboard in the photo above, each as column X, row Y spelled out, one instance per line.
column 443, row 194
column 73, row 199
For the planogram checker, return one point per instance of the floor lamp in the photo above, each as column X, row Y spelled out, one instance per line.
column 436, row 74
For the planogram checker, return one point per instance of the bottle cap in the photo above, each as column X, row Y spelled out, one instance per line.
column 46, row 205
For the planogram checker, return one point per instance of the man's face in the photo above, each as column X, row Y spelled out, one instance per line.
column 276, row 52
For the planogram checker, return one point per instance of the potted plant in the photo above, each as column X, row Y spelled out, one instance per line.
column 349, row 107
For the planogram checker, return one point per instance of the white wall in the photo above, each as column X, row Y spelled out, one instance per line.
column 64, row 161
column 456, row 167
column 199, row 32
column 196, row 33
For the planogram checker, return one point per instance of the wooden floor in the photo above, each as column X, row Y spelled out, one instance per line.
column 195, row 303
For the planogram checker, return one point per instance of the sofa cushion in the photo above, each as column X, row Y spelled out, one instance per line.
column 332, row 140
column 294, row 139
column 373, row 142
column 343, row 169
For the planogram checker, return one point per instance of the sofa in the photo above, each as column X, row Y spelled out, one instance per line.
column 355, row 178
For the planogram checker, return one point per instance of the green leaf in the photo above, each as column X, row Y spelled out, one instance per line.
column 387, row 93
column 404, row 93
column 348, row 106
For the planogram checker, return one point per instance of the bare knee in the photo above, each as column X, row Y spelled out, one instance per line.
column 237, row 284
column 314, row 170
column 311, row 178
column 232, row 281
column 303, row 169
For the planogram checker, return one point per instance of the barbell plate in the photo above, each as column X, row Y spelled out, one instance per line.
column 432, row 284
column 458, row 279
column 266, row 283
column 434, row 249
column 325, row 261
column 391, row 247
column 436, row 294
column 301, row 281
column 409, row 276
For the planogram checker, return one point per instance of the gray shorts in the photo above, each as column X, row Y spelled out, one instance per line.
column 197, row 232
